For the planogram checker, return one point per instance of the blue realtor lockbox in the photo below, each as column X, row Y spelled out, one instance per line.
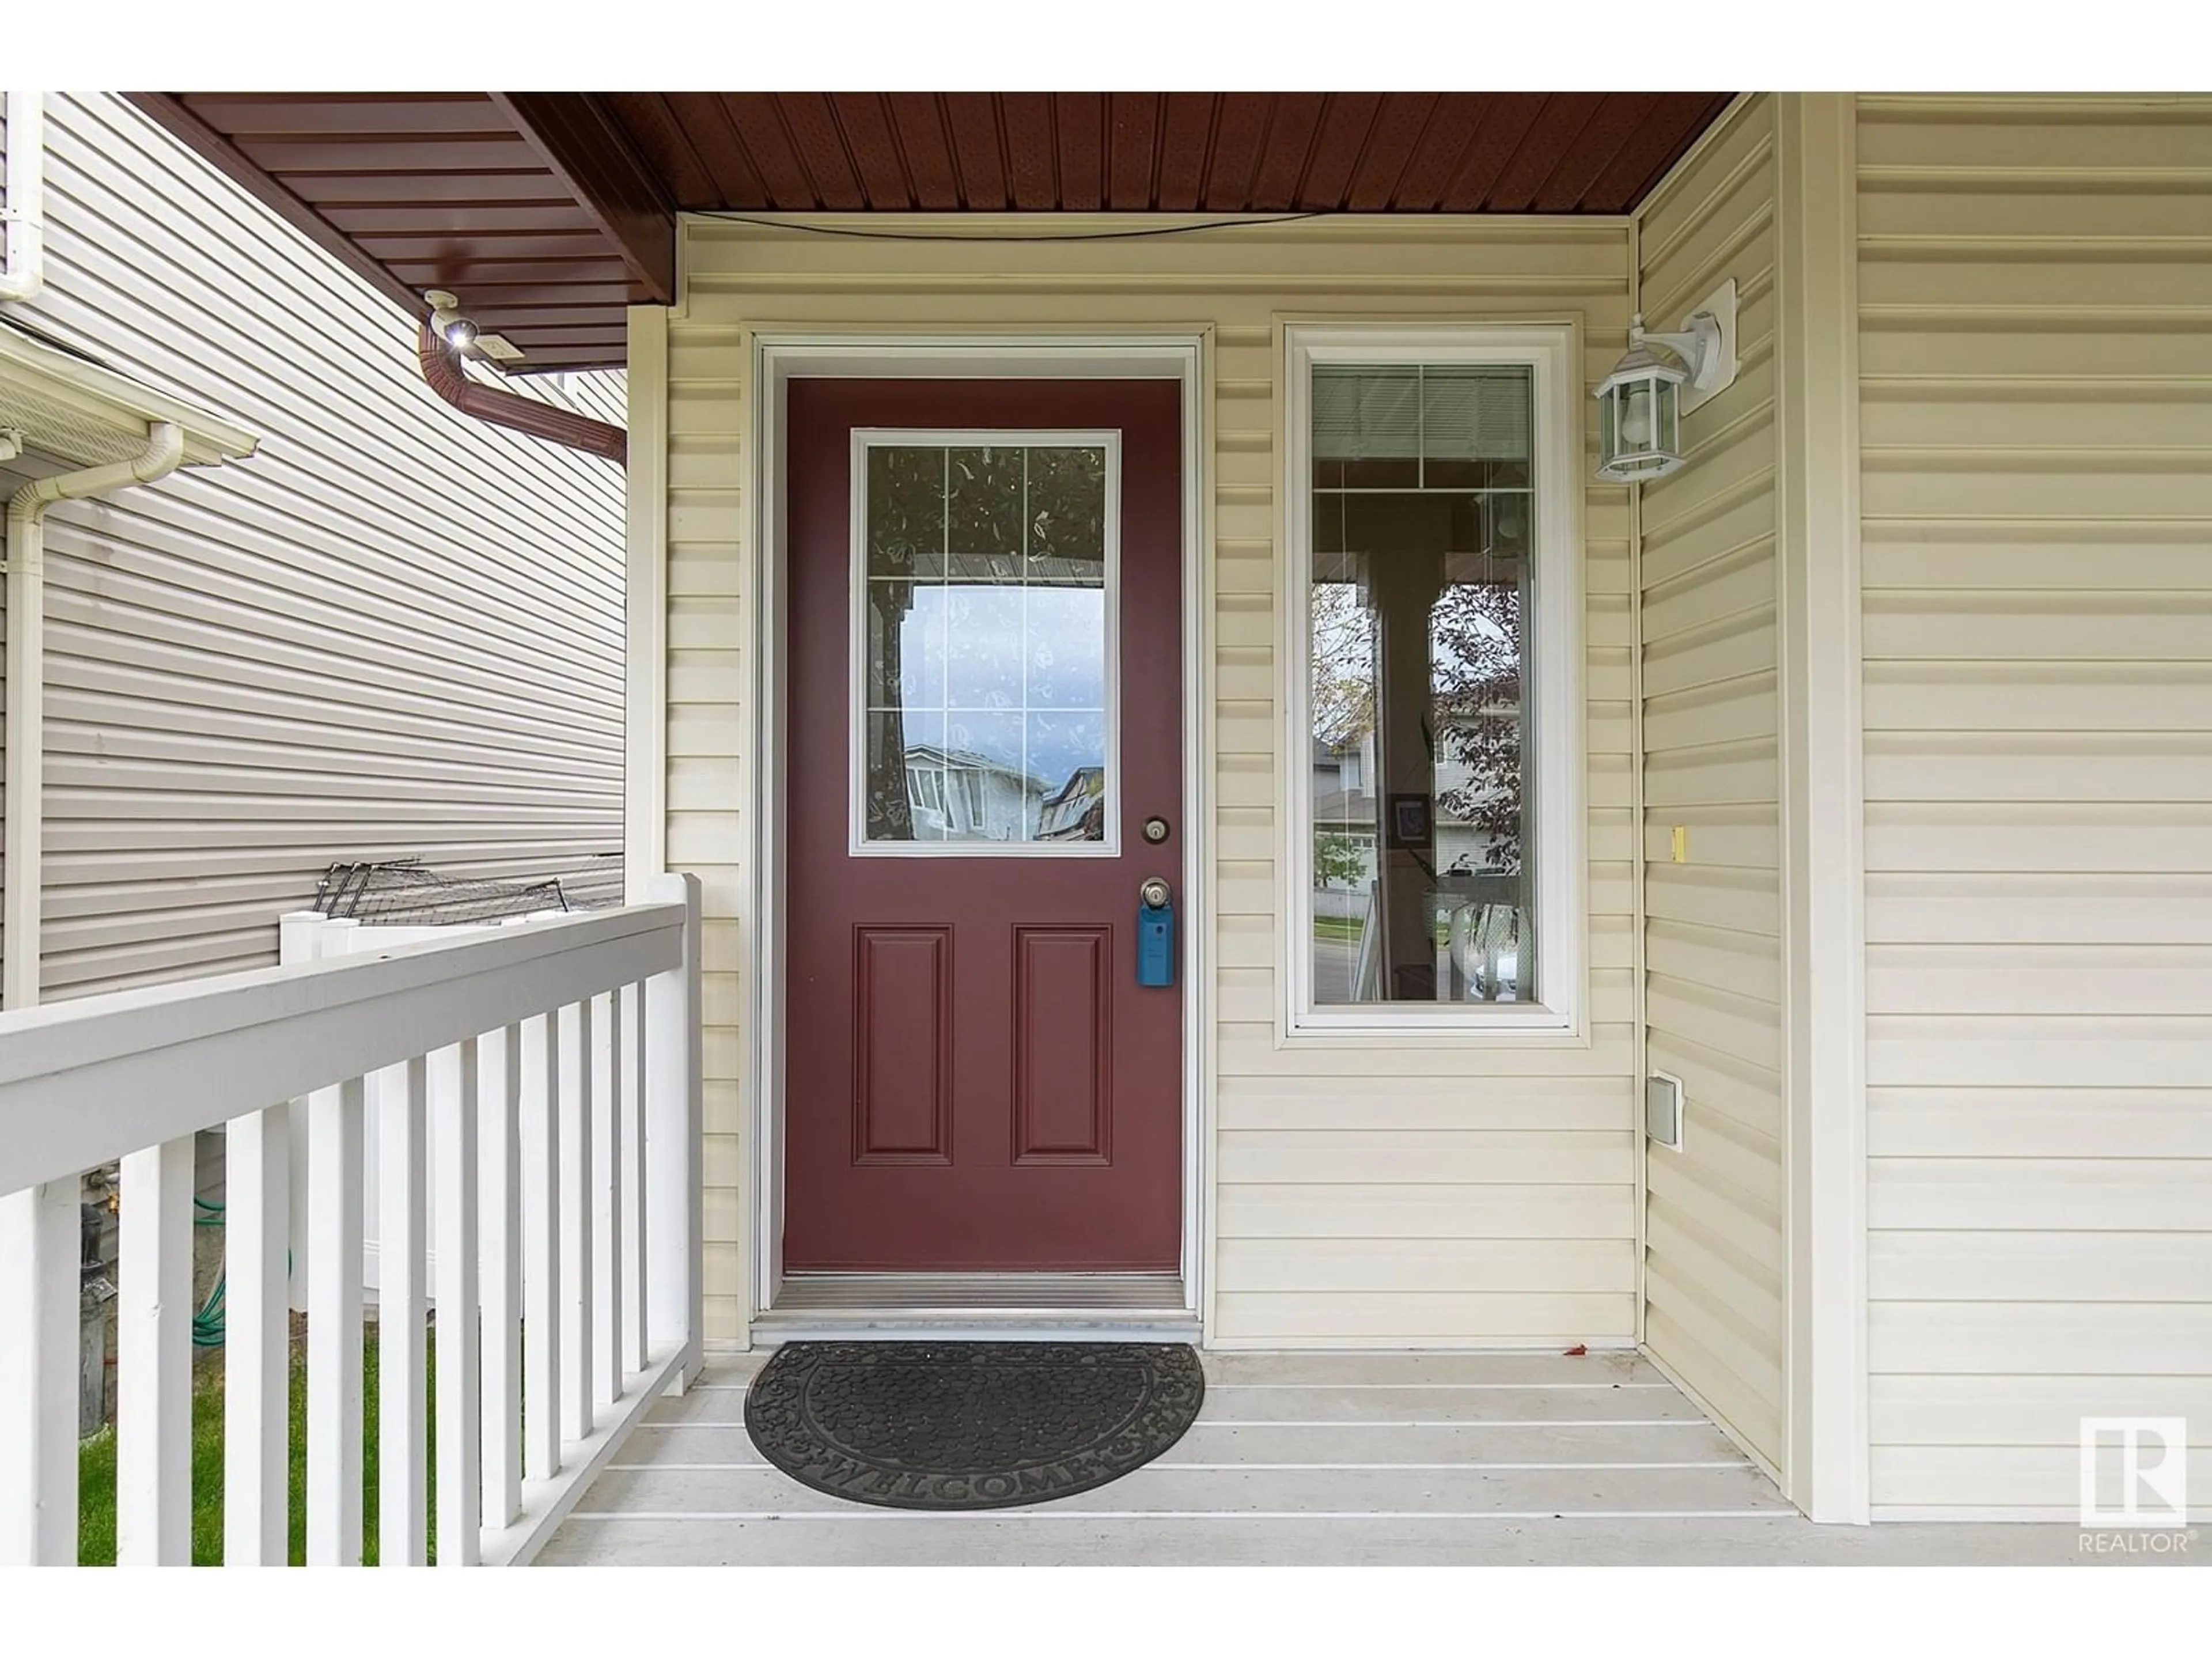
column 1156, row 943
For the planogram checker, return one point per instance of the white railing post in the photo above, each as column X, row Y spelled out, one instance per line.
column 334, row 1377
column 39, row 1289
column 541, row 1236
column 573, row 1029
column 257, row 1338
column 299, row 935
column 671, row 1138
column 459, row 1460
column 500, row 1250
column 153, row 1358
column 403, row 1500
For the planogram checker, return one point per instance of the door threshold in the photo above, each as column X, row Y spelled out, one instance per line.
column 979, row 1307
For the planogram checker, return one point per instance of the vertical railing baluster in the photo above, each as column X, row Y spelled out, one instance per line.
column 335, row 1118
column 499, row 1282
column 402, row 1506
column 153, row 1358
column 606, row 1201
column 458, row 1455
column 40, row 1250
column 632, row 1086
column 539, row 1183
column 539, row 1115
column 257, row 1338
column 576, row 1206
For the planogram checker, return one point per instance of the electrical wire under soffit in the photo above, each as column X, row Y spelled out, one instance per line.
column 730, row 217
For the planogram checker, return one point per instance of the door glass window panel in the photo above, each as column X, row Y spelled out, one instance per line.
column 984, row 643
column 1423, row 853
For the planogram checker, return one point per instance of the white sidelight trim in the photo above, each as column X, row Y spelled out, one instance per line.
column 778, row 357
column 1556, row 689
column 1823, row 851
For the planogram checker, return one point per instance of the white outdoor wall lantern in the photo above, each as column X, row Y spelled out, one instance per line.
column 1662, row 377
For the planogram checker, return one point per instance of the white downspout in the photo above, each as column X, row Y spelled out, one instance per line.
column 24, row 786
column 24, row 219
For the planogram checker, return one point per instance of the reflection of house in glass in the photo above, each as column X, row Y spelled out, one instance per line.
column 957, row 794
column 1077, row 810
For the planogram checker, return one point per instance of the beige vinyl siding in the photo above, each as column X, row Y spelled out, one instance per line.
column 601, row 393
column 394, row 632
column 1713, row 1225
column 1394, row 1193
column 2036, row 349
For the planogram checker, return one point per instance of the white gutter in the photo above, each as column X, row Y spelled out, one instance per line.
column 24, row 802
column 24, row 219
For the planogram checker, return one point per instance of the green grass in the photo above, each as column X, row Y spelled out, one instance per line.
column 1344, row 928
column 96, row 1467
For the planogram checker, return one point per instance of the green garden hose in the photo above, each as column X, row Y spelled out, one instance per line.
column 207, row 1323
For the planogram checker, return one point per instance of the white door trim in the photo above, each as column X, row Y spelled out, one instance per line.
column 780, row 356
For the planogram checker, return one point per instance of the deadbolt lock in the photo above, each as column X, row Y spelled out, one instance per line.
column 1156, row 830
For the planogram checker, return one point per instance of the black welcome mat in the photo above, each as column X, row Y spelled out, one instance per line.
column 970, row 1426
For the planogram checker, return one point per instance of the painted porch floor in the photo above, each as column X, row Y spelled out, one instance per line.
column 1296, row 1458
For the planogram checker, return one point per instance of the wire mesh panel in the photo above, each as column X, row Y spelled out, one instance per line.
column 405, row 891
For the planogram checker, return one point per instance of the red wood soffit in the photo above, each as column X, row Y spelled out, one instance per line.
column 550, row 213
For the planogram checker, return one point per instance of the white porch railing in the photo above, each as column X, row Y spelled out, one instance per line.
column 563, row 1140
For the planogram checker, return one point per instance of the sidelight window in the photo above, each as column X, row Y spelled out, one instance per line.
column 1435, row 789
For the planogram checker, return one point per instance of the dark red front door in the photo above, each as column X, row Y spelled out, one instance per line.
column 984, row 712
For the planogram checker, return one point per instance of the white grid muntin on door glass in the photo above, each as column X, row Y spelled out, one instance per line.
column 862, row 704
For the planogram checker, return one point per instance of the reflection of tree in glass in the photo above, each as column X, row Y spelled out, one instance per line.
column 1475, row 630
column 1066, row 506
column 906, row 543
column 906, row 512
column 1475, row 679
column 983, row 503
column 1340, row 860
column 1343, row 665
